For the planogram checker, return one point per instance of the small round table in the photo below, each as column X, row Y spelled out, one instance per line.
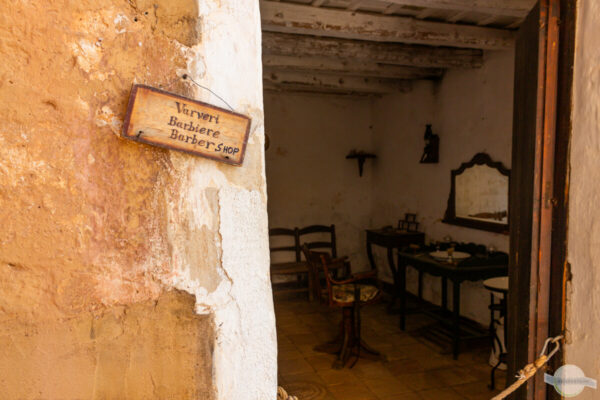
column 500, row 286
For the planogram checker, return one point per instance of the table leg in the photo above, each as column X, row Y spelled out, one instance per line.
column 402, row 292
column 394, row 271
column 505, row 324
column 370, row 255
column 444, row 293
column 456, row 320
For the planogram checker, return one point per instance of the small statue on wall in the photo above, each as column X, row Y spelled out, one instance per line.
column 431, row 154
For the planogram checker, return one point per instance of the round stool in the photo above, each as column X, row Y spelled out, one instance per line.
column 498, row 286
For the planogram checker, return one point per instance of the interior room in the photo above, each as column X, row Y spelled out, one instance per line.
column 399, row 131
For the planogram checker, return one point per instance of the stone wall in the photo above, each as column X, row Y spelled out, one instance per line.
column 129, row 271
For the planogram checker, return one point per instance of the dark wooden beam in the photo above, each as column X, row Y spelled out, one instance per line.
column 348, row 67
column 383, row 53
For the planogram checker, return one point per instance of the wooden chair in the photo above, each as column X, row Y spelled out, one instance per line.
column 315, row 268
column 312, row 230
column 350, row 295
column 295, row 267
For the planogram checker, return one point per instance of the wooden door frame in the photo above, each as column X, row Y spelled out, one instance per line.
column 549, row 272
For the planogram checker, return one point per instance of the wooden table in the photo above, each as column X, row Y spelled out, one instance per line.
column 391, row 239
column 472, row 269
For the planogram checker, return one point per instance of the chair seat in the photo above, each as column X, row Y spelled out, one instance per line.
column 345, row 293
column 289, row 268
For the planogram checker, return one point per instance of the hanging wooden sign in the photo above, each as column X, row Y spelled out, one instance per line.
column 175, row 122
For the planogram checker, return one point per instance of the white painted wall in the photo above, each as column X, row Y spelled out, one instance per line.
column 583, row 296
column 310, row 181
column 471, row 111
column 228, row 60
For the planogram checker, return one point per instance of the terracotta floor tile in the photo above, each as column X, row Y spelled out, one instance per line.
column 440, row 394
column 354, row 391
column 416, row 368
column 307, row 386
column 476, row 390
column 456, row 376
column 482, row 372
column 391, row 352
column 333, row 377
column 305, row 377
column 405, row 366
column 437, row 362
column 372, row 368
column 286, row 346
column 403, row 396
column 294, row 366
column 386, row 387
column 418, row 351
column 289, row 354
column 302, row 338
column 283, row 339
column 321, row 362
column 420, row 381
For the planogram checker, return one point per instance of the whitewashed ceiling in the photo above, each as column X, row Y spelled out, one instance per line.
column 378, row 46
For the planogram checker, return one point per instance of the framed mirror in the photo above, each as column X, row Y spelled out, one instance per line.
column 479, row 195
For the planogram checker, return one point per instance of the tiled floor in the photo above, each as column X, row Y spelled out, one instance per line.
column 415, row 367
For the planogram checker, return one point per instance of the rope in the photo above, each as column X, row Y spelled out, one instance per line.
column 530, row 369
column 282, row 395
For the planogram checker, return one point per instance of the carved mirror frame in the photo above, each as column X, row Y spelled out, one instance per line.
column 450, row 215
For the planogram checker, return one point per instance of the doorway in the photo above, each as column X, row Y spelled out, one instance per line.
column 317, row 113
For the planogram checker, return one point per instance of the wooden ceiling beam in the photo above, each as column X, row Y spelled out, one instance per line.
column 355, row 5
column 500, row 8
column 424, row 13
column 308, row 20
column 458, row 16
column 332, row 82
column 338, row 66
column 304, row 89
column 489, row 20
column 382, row 53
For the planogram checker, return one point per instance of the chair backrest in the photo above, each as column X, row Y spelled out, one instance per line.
column 315, row 265
column 292, row 245
column 329, row 243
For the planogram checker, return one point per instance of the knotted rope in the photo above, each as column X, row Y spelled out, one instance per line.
column 282, row 395
column 530, row 369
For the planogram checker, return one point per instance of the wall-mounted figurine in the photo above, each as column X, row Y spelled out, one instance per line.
column 431, row 154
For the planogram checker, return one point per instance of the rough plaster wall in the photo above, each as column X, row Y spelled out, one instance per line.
column 310, row 180
column 230, row 64
column 148, row 350
column 98, row 231
column 583, row 297
column 471, row 111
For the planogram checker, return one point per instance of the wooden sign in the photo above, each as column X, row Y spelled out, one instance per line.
column 168, row 120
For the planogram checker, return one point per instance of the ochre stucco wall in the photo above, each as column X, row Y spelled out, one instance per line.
column 583, row 296
column 122, row 274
